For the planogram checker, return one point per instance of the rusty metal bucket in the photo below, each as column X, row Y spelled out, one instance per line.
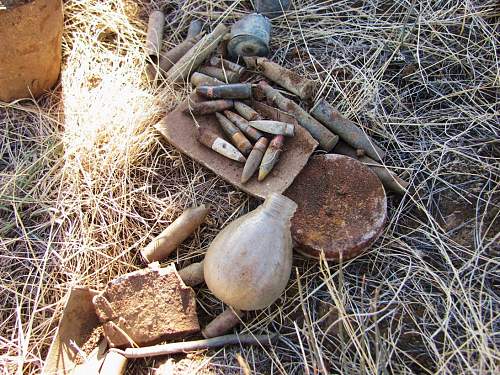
column 30, row 45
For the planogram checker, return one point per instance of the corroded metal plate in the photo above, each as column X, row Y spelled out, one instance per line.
column 342, row 207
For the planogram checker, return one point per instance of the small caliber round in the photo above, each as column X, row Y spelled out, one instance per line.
column 274, row 127
column 200, row 79
column 212, row 106
column 239, row 140
column 246, row 111
column 271, row 156
column 230, row 91
column 254, row 159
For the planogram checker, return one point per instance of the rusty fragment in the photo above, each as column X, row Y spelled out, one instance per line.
column 304, row 88
column 212, row 106
column 221, row 74
column 271, row 156
column 148, row 306
column 346, row 129
column 342, row 207
column 229, row 91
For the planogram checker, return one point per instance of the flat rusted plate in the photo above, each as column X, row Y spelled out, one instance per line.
column 149, row 305
column 180, row 130
column 342, row 207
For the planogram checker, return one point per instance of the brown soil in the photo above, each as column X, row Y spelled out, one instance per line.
column 341, row 207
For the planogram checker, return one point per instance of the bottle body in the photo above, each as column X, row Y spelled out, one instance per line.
column 248, row 264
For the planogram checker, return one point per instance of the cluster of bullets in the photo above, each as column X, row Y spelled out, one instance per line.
column 247, row 130
column 232, row 102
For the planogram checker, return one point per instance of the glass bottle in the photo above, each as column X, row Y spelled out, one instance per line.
column 248, row 264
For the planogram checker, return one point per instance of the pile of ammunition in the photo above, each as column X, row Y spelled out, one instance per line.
column 254, row 139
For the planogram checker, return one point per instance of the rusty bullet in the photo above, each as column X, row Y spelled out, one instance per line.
column 196, row 55
column 200, row 79
column 168, row 240
column 239, row 140
column 226, row 64
column 326, row 139
column 271, row 156
column 212, row 106
column 244, row 125
column 254, row 159
column 246, row 111
column 170, row 57
column 230, row 91
column 219, row 145
column 223, row 75
column 304, row 88
column 154, row 36
column 346, row 129
column 273, row 127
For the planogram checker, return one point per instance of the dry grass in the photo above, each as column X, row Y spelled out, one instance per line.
column 85, row 182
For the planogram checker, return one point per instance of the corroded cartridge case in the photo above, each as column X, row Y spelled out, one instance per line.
column 194, row 28
column 154, row 36
column 273, row 127
column 219, row 145
column 244, row 125
column 223, row 75
column 200, row 79
column 389, row 179
column 246, row 111
column 226, row 64
column 239, row 140
column 168, row 240
column 304, row 88
column 230, row 91
column 205, row 108
column 271, row 156
column 254, row 159
column 346, row 129
column 195, row 56
column 250, row 36
column 326, row 139
column 170, row 57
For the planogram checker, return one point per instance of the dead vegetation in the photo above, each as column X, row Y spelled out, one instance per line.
column 86, row 182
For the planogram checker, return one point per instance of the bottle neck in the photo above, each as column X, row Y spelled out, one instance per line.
column 279, row 206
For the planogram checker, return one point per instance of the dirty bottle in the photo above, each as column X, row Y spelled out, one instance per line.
column 248, row 264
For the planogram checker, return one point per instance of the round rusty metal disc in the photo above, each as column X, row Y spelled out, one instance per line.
column 342, row 207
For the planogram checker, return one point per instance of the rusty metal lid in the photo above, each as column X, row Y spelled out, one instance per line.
column 342, row 207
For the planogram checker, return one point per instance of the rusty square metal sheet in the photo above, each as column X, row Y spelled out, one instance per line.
column 180, row 130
